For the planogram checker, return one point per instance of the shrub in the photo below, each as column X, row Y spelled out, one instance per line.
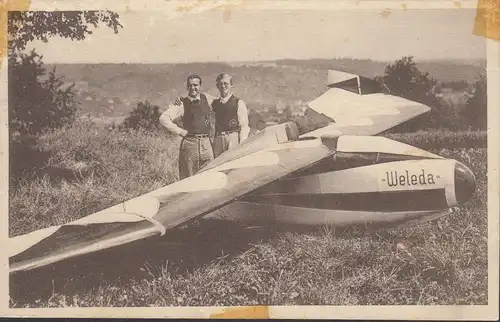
column 36, row 105
column 144, row 116
column 476, row 108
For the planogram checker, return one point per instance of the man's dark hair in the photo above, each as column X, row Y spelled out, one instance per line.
column 194, row 76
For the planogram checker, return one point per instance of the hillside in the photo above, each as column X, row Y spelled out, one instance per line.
column 112, row 90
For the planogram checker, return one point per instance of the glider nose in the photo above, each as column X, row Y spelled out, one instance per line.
column 465, row 183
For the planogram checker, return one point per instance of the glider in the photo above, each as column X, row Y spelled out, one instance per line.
column 339, row 174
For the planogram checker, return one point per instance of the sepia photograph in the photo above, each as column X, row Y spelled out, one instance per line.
column 247, row 155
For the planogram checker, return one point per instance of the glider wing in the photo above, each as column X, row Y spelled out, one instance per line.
column 168, row 207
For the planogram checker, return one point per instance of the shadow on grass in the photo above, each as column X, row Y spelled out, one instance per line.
column 181, row 251
column 27, row 162
column 25, row 158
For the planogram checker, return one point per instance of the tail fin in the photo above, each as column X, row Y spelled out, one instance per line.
column 361, row 106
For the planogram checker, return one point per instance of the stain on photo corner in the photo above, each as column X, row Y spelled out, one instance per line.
column 251, row 312
column 487, row 21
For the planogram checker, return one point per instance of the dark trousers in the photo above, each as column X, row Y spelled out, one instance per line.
column 194, row 154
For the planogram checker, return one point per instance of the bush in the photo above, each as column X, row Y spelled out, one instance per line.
column 144, row 116
column 36, row 105
column 477, row 106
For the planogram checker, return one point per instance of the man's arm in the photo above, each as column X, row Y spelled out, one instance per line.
column 243, row 120
column 168, row 117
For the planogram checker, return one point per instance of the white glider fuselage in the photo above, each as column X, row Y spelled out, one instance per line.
column 366, row 180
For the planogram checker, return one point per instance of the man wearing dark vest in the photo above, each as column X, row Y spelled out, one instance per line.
column 195, row 111
column 231, row 117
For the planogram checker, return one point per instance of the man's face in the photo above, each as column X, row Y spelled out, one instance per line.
column 193, row 87
column 224, row 86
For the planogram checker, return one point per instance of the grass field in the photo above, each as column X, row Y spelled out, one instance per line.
column 73, row 172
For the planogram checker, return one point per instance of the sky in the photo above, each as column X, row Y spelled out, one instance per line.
column 252, row 35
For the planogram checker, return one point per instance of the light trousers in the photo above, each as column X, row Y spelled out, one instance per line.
column 224, row 142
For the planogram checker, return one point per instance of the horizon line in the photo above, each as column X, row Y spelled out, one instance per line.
column 273, row 60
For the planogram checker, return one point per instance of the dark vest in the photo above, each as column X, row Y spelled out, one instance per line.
column 226, row 115
column 196, row 118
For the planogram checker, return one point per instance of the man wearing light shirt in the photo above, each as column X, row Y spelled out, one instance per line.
column 231, row 117
column 195, row 110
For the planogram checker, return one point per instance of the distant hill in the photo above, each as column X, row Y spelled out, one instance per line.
column 112, row 90
column 443, row 70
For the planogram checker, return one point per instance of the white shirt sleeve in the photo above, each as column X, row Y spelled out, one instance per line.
column 173, row 113
column 243, row 120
